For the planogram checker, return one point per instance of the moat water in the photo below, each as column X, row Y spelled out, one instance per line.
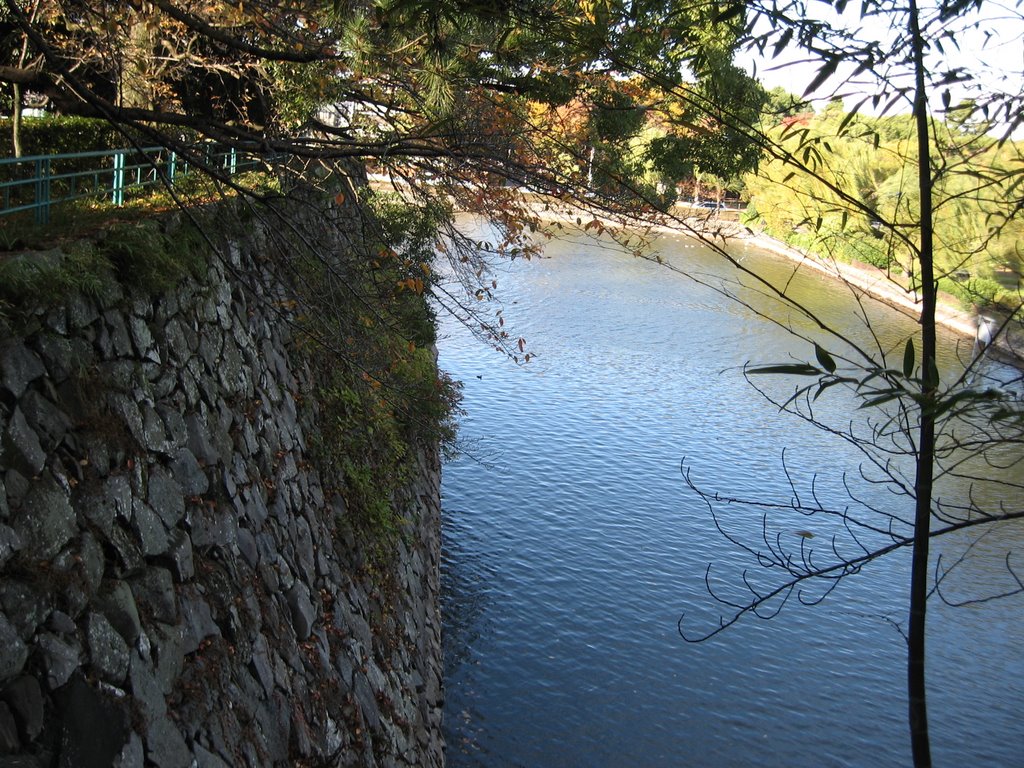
column 572, row 545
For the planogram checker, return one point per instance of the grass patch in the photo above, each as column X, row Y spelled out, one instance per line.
column 147, row 257
column 143, row 255
column 100, row 250
column 88, row 217
column 39, row 277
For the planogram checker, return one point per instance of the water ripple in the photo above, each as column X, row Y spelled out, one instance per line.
column 567, row 565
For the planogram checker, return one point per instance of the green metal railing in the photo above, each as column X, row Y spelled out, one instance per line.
column 40, row 182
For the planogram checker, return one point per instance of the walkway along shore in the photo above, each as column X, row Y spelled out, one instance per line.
column 883, row 287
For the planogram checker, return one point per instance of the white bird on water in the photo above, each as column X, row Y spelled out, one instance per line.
column 983, row 337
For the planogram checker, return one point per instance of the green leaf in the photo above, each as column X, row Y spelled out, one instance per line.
column 782, row 42
column 823, row 74
column 825, row 359
column 892, row 394
column 794, row 369
column 908, row 359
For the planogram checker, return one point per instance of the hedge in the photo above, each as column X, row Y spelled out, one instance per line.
column 56, row 134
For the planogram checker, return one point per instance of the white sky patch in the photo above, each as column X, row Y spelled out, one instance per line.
column 988, row 48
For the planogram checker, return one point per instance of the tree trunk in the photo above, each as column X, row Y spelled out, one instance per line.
column 919, row 741
column 16, row 119
column 137, row 87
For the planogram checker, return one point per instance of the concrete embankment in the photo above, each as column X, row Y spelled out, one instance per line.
column 1009, row 346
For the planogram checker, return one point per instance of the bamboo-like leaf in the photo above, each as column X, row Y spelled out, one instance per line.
column 731, row 12
column 889, row 396
column 825, row 359
column 788, row 369
column 871, row 375
column 966, row 396
column 908, row 359
column 782, row 42
column 830, row 383
column 826, row 71
column 847, row 119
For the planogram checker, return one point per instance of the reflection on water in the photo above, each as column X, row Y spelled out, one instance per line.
column 572, row 554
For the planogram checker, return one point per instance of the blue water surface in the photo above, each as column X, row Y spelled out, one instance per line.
column 573, row 547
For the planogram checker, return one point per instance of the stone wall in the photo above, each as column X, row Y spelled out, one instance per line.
column 178, row 587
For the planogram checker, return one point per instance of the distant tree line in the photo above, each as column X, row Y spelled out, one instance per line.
column 864, row 169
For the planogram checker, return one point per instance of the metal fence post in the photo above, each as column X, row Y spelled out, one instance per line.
column 118, row 196
column 42, row 207
column 172, row 167
column 234, row 162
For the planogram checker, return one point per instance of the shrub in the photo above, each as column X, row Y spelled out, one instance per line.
column 369, row 338
column 976, row 291
column 145, row 256
column 59, row 134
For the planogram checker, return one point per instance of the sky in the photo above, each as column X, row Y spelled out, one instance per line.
column 993, row 53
